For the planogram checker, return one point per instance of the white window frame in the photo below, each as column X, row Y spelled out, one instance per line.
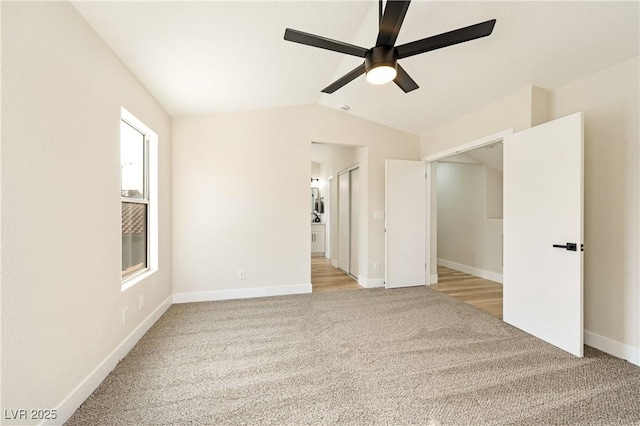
column 150, row 199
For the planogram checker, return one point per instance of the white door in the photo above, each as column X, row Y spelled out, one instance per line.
column 343, row 221
column 405, row 199
column 354, row 227
column 543, row 208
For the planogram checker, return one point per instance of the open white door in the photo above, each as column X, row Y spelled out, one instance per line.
column 543, row 209
column 405, row 191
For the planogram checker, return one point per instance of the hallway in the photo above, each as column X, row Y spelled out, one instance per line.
column 325, row 277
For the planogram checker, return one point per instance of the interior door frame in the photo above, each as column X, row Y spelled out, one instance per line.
column 431, row 218
column 327, row 220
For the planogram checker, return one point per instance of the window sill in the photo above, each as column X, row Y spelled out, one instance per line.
column 135, row 279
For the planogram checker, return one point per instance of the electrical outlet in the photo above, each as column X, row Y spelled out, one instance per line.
column 141, row 302
column 376, row 266
column 124, row 316
column 242, row 274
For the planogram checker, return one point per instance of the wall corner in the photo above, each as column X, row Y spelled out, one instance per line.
column 539, row 106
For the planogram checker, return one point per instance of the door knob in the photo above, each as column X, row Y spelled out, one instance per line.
column 568, row 246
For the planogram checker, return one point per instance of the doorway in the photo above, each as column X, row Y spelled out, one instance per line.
column 334, row 166
column 459, row 156
column 465, row 217
column 325, row 277
column 469, row 212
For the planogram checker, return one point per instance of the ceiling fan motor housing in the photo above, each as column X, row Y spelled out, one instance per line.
column 379, row 56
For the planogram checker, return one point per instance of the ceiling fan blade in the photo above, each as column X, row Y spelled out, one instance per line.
column 351, row 75
column 450, row 38
column 394, row 13
column 403, row 80
column 323, row 43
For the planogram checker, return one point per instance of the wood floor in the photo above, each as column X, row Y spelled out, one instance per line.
column 481, row 293
column 325, row 277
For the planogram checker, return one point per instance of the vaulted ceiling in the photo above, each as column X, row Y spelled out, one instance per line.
column 213, row 57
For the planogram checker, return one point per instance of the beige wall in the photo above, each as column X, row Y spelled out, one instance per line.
column 249, row 174
column 511, row 112
column 609, row 100
column 241, row 190
column 61, row 296
column 495, row 189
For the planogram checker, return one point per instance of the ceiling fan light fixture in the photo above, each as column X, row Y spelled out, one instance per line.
column 381, row 74
column 381, row 65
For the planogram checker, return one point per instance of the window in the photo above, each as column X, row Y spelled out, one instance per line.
column 138, row 191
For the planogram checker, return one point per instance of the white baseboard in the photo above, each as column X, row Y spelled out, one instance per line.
column 487, row 275
column 70, row 404
column 612, row 347
column 370, row 283
column 241, row 293
column 334, row 263
column 433, row 279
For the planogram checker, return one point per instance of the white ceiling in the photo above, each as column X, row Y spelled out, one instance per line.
column 211, row 57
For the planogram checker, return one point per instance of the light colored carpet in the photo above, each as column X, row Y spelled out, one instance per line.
column 405, row 356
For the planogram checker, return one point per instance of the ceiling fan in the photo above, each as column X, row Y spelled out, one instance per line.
column 381, row 61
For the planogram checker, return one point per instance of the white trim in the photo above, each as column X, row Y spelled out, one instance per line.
column 430, row 216
column 370, row 283
column 434, row 279
column 487, row 275
column 612, row 347
column 487, row 140
column 72, row 402
column 152, row 175
column 241, row 293
column 334, row 263
column 136, row 278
